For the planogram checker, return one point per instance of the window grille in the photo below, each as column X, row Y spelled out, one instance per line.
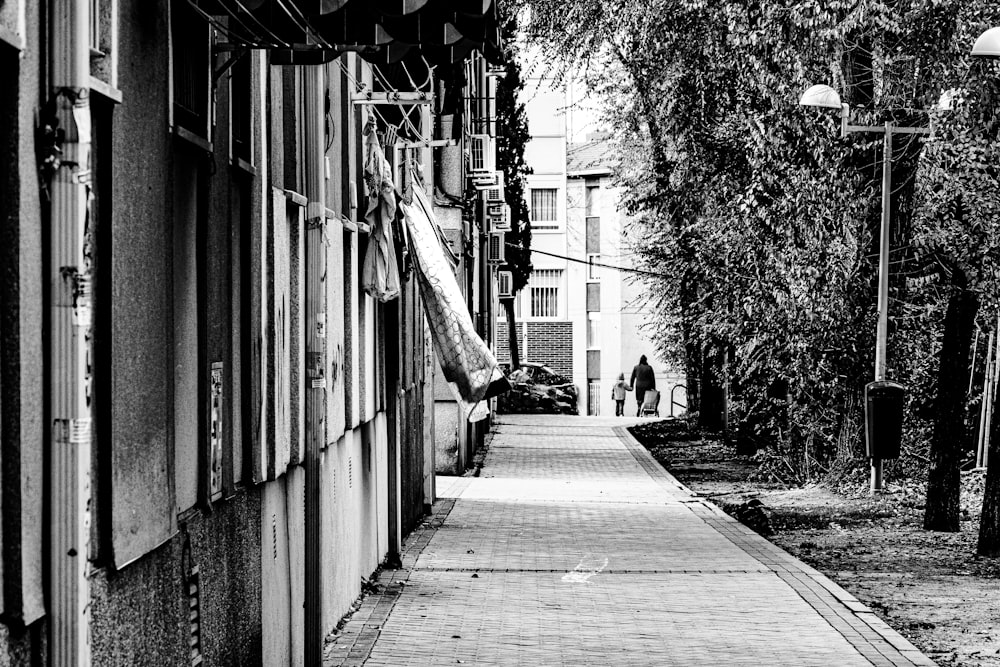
column 593, row 398
column 544, row 285
column 192, row 67
column 544, row 214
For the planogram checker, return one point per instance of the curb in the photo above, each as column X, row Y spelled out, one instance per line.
column 885, row 646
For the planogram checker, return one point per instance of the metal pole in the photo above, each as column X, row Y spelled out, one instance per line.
column 882, row 331
column 883, row 259
column 315, row 389
column 984, row 403
column 70, row 307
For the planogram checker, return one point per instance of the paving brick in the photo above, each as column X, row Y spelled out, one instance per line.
column 574, row 547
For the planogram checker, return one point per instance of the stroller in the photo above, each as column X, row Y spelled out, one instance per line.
column 650, row 403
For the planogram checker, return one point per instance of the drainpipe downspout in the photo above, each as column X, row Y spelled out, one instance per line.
column 315, row 334
column 69, row 375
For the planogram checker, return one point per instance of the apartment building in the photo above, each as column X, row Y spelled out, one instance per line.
column 210, row 432
column 582, row 312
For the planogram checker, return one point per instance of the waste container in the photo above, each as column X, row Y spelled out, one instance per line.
column 883, row 419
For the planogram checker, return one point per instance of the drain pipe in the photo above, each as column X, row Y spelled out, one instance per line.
column 315, row 335
column 69, row 371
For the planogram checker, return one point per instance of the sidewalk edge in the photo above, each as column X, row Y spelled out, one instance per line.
column 781, row 561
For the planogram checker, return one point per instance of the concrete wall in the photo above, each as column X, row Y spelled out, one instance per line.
column 141, row 613
column 21, row 369
column 199, row 261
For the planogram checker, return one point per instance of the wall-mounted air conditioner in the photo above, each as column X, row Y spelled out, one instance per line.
column 495, row 193
column 498, row 217
column 505, row 285
column 496, row 248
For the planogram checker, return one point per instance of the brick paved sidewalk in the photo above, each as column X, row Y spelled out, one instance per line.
column 575, row 547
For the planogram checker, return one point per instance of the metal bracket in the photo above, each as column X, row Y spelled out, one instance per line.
column 239, row 53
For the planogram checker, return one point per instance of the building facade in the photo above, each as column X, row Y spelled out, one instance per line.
column 582, row 311
column 210, row 432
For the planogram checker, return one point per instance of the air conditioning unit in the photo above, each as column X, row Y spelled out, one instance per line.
column 496, row 249
column 498, row 216
column 495, row 193
column 505, row 285
column 482, row 156
column 485, row 181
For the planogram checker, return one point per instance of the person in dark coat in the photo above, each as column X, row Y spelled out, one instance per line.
column 643, row 378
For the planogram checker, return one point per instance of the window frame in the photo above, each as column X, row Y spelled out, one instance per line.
column 553, row 224
column 552, row 293
column 593, row 271
column 593, row 330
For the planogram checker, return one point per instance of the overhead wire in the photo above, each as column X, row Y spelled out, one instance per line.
column 624, row 269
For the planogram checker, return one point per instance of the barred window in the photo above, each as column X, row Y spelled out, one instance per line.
column 543, row 208
column 544, row 285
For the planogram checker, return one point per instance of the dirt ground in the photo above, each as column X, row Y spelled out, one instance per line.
column 930, row 587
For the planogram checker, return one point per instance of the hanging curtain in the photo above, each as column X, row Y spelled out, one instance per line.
column 469, row 367
column 380, row 272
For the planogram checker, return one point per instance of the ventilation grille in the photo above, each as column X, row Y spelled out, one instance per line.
column 496, row 251
column 194, row 615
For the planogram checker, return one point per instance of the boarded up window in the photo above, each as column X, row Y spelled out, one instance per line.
column 593, row 235
column 593, row 297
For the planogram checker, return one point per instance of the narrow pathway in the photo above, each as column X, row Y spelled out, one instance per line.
column 575, row 547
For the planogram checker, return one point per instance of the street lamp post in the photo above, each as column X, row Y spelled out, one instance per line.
column 822, row 95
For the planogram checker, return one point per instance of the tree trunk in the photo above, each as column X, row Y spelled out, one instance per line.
column 989, row 526
column 515, row 353
column 711, row 416
column 944, row 478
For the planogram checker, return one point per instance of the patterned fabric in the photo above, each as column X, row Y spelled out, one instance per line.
column 469, row 367
column 380, row 273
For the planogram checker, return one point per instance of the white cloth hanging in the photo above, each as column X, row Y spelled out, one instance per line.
column 471, row 370
column 379, row 274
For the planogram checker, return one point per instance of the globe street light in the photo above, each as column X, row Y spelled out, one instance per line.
column 824, row 96
column 988, row 44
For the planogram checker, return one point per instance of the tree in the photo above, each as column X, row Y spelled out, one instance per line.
column 512, row 136
column 762, row 224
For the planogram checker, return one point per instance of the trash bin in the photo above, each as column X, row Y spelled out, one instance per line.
column 883, row 419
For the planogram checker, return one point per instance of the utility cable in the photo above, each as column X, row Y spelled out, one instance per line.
column 588, row 263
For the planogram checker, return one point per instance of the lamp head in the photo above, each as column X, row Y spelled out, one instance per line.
column 820, row 95
column 988, row 44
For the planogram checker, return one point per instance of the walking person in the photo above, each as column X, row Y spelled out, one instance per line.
column 643, row 379
column 618, row 394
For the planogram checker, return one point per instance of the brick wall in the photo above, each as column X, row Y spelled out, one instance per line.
column 503, row 347
column 549, row 343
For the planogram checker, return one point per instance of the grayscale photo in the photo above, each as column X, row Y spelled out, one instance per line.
column 541, row 333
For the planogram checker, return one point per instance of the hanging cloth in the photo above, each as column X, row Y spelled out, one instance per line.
column 380, row 273
column 469, row 367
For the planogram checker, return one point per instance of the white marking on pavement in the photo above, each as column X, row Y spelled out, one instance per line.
column 588, row 567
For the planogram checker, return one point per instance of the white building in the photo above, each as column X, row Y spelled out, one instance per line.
column 581, row 319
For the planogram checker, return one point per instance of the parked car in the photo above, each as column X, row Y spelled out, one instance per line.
column 536, row 388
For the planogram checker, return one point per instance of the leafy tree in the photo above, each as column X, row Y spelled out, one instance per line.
column 762, row 223
column 512, row 136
